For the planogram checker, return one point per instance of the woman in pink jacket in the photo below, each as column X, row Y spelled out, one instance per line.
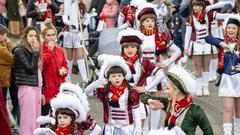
column 109, row 12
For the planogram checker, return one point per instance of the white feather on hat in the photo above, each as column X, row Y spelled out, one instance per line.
column 137, row 3
column 110, row 61
column 130, row 32
column 74, row 89
column 70, row 101
column 187, row 79
column 42, row 120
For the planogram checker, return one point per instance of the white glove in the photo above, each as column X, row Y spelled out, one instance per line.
column 124, row 26
column 183, row 61
column 43, row 131
column 42, row 120
column 137, row 130
column 93, row 86
column 96, row 130
column 102, row 82
column 226, row 46
column 237, row 67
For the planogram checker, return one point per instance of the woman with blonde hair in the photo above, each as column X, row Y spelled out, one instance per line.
column 27, row 69
column 229, row 66
column 55, row 67
column 178, row 105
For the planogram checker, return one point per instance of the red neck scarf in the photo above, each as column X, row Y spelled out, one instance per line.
column 148, row 32
column 199, row 16
column 161, row 39
column 221, row 51
column 63, row 131
column 179, row 106
column 131, row 60
column 117, row 91
column 231, row 39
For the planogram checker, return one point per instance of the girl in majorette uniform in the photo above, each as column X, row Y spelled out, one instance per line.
column 74, row 14
column 198, row 27
column 155, row 46
column 126, row 16
column 120, row 101
column 70, row 108
column 146, row 76
column 180, row 109
column 229, row 64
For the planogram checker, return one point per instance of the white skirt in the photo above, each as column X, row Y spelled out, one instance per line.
column 214, row 50
column 111, row 130
column 229, row 85
column 73, row 39
column 201, row 48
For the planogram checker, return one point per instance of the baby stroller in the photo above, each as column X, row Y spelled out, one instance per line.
column 107, row 44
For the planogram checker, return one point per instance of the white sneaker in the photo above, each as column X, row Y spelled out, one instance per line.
column 199, row 93
column 212, row 78
column 206, row 92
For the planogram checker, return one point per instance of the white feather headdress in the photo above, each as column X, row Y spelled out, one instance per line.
column 184, row 78
column 74, row 89
column 71, row 97
column 110, row 61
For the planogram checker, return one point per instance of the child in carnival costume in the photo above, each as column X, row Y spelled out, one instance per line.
column 120, row 101
column 146, row 77
column 198, row 26
column 178, row 105
column 155, row 45
column 70, row 109
column 126, row 16
column 229, row 67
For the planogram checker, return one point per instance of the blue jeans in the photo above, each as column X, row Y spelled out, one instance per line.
column 3, row 20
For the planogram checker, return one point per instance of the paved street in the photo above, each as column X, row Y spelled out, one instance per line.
column 212, row 106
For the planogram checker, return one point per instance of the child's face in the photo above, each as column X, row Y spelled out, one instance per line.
column 130, row 50
column 148, row 23
column 232, row 30
column 169, row 90
column 197, row 8
column 64, row 120
column 116, row 79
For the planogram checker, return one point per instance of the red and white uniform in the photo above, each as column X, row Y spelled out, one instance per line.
column 149, row 49
column 149, row 76
column 196, row 33
column 118, row 121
